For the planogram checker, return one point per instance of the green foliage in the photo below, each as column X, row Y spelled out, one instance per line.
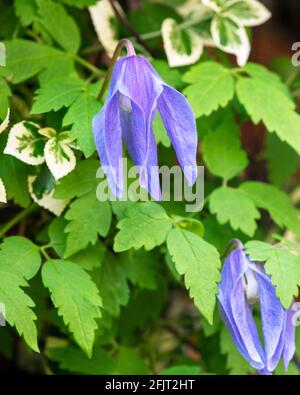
column 77, row 299
column 59, row 25
column 212, row 86
column 144, row 225
column 281, row 265
column 21, row 255
column 222, row 150
column 26, row 58
column 74, row 360
column 80, row 115
column 18, row 305
column 133, row 284
column 275, row 202
column 230, row 204
column 88, row 218
column 57, row 93
column 198, row 261
column 269, row 103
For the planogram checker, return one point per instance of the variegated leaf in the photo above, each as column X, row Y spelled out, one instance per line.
column 3, row 198
column 5, row 123
column 246, row 12
column 25, row 143
column 183, row 47
column 103, row 17
column 215, row 5
column 55, row 206
column 193, row 9
column 231, row 38
column 59, row 157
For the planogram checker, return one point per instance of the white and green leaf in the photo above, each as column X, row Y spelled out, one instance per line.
column 182, row 47
column 231, row 38
column 3, row 197
column 104, row 21
column 59, row 157
column 25, row 143
column 47, row 201
column 246, row 12
column 5, row 123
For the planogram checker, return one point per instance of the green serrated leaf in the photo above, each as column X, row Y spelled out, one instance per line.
column 80, row 116
column 222, row 150
column 77, row 299
column 21, row 255
column 281, row 265
column 17, row 305
column 88, row 218
column 144, row 225
column 57, row 93
column 276, row 202
column 130, row 362
column 27, row 58
column 80, row 181
column 59, row 25
column 26, row 10
column 233, row 206
column 111, row 280
column 212, row 86
column 91, row 257
column 14, row 174
column 265, row 102
column 198, row 261
column 57, row 235
column 74, row 360
column 141, row 268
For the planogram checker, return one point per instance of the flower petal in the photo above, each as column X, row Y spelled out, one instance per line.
column 180, row 124
column 140, row 85
column 108, row 139
column 236, row 311
column 273, row 317
column 141, row 145
column 289, row 347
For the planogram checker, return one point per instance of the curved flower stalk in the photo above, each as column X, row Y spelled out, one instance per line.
column 243, row 284
column 135, row 96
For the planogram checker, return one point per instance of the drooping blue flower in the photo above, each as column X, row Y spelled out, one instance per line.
column 135, row 96
column 243, row 284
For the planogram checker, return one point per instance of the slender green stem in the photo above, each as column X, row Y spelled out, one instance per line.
column 235, row 242
column 88, row 66
column 130, row 51
column 43, row 251
column 22, row 214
